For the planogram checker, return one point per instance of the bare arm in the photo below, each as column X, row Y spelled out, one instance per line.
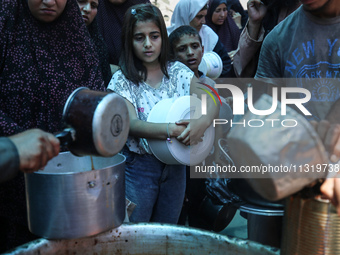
column 196, row 127
column 251, row 38
column 256, row 12
column 144, row 129
column 186, row 131
column 329, row 132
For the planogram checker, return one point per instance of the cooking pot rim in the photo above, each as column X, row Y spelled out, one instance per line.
column 70, row 99
column 41, row 172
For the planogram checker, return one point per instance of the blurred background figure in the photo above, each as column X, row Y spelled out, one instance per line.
column 89, row 9
column 45, row 56
column 237, row 12
column 221, row 21
column 263, row 17
column 110, row 21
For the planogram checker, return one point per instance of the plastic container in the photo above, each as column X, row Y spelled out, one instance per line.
column 211, row 65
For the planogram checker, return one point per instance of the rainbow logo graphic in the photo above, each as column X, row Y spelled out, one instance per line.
column 209, row 93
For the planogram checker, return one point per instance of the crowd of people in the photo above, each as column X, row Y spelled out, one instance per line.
column 49, row 48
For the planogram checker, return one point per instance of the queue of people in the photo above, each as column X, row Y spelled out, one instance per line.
column 51, row 47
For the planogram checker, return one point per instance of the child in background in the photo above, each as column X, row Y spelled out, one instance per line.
column 186, row 47
column 193, row 13
column 146, row 77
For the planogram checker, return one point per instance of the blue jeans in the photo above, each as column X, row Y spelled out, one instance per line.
column 156, row 188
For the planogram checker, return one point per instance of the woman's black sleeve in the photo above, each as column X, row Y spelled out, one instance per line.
column 223, row 53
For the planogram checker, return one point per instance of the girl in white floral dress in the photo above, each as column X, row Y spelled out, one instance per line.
column 146, row 77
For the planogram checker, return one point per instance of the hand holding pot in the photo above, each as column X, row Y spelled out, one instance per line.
column 35, row 148
column 331, row 189
column 330, row 136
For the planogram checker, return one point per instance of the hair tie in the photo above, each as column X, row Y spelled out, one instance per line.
column 133, row 11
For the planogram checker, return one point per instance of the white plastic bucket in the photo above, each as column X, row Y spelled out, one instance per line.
column 211, row 65
column 175, row 153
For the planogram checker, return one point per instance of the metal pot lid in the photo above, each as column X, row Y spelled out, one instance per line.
column 110, row 125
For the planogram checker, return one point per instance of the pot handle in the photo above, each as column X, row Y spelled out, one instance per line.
column 67, row 136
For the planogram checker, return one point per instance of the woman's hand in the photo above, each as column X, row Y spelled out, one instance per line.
column 231, row 55
column 236, row 16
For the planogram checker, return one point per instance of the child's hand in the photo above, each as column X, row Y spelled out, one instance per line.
column 193, row 133
column 175, row 130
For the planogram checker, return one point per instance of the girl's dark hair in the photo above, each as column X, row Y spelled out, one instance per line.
column 131, row 66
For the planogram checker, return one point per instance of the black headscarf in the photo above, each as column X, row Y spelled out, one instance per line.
column 110, row 22
column 102, row 51
column 228, row 32
column 41, row 64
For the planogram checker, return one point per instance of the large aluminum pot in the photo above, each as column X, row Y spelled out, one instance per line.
column 148, row 239
column 311, row 227
column 69, row 200
column 97, row 123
